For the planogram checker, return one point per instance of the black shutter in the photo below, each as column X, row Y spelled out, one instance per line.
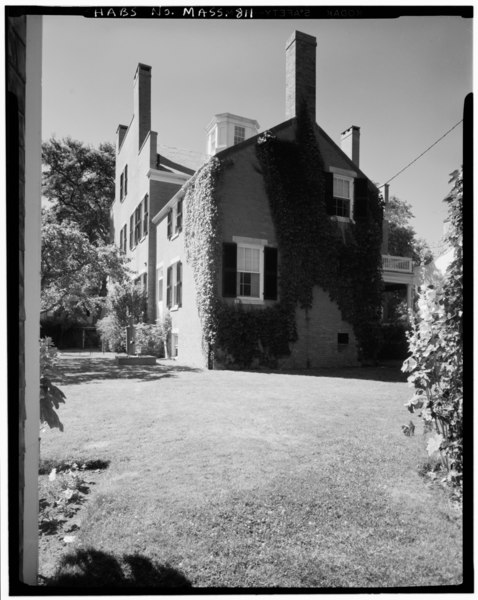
column 329, row 193
column 131, row 232
column 126, row 180
column 170, row 224
column 229, row 269
column 270, row 273
column 179, row 216
column 169, row 280
column 179, row 283
column 360, row 199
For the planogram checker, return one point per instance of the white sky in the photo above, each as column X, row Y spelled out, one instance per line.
column 402, row 81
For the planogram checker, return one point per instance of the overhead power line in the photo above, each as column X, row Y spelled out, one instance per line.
column 424, row 152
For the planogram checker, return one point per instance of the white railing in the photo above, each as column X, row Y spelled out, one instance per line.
column 402, row 264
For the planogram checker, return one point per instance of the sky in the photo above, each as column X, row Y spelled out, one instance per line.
column 402, row 81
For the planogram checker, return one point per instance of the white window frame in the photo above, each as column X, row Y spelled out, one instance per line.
column 242, row 136
column 212, row 141
column 348, row 176
column 173, row 263
column 160, row 301
column 254, row 244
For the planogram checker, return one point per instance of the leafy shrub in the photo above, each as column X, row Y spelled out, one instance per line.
column 50, row 395
column 112, row 334
column 150, row 339
column 436, row 347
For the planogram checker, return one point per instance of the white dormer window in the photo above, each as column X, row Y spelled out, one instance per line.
column 212, row 142
column 239, row 134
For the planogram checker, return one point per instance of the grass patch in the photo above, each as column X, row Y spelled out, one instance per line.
column 244, row 479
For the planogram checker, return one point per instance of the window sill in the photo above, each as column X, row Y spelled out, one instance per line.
column 174, row 236
column 174, row 308
column 247, row 300
column 341, row 219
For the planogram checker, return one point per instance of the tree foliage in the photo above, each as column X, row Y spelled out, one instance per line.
column 74, row 270
column 128, row 301
column 436, row 347
column 79, row 183
column 77, row 259
column 402, row 239
column 50, row 395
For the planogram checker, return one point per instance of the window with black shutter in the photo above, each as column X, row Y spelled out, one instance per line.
column 179, row 216
column 137, row 225
column 229, row 269
column 145, row 214
column 178, row 284
column 121, row 185
column 270, row 273
column 121, row 239
column 169, row 288
column 170, row 224
column 131, row 232
column 126, row 180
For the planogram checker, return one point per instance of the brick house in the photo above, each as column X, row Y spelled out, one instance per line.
column 248, row 268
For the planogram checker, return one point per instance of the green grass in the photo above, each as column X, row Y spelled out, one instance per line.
column 244, row 479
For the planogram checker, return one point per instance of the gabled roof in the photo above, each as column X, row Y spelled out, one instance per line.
column 179, row 160
column 332, row 154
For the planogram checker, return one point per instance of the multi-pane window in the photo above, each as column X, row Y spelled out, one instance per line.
column 160, row 288
column 248, row 271
column 179, row 216
column 342, row 196
column 212, row 142
column 124, row 183
column 239, row 134
column 145, row 214
column 174, row 276
column 137, row 224
column 123, row 238
column 131, row 232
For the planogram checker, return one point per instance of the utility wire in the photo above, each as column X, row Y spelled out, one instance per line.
column 424, row 152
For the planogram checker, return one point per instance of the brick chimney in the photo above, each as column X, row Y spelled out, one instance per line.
column 300, row 74
column 350, row 143
column 142, row 101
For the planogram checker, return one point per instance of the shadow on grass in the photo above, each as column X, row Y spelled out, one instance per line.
column 81, row 369
column 385, row 373
column 96, row 569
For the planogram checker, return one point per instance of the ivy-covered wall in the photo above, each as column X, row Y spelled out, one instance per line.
column 314, row 253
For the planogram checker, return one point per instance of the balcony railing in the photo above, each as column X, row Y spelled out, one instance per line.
column 400, row 264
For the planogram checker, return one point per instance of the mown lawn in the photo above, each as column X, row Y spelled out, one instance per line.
column 246, row 479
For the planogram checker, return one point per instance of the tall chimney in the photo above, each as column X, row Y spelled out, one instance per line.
column 300, row 74
column 350, row 143
column 142, row 101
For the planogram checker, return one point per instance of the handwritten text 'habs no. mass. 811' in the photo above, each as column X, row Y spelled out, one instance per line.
column 177, row 11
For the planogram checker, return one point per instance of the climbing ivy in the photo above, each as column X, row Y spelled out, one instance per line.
column 203, row 245
column 313, row 249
